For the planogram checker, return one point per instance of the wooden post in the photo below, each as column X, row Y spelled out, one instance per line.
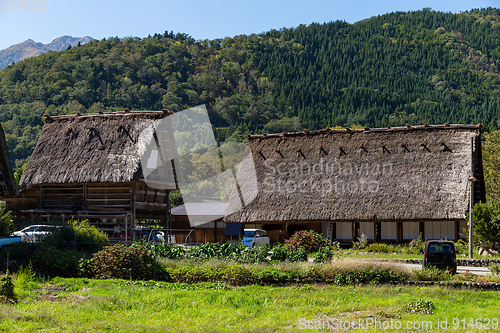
column 134, row 198
column 471, row 213
column 40, row 194
column 378, row 233
column 215, row 232
column 168, row 217
column 85, row 196
column 126, row 228
column 399, row 232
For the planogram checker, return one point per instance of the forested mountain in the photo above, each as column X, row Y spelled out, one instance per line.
column 29, row 48
column 417, row 67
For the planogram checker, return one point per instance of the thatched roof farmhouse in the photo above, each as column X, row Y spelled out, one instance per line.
column 89, row 166
column 389, row 184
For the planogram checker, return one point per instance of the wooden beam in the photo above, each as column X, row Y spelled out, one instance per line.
column 118, row 199
column 109, row 188
column 134, row 200
column 110, row 206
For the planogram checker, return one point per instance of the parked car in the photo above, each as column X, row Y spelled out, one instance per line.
column 35, row 233
column 440, row 254
column 255, row 237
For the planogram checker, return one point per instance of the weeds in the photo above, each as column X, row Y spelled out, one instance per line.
column 420, row 306
column 495, row 269
column 7, row 293
column 340, row 272
column 362, row 242
column 324, row 255
column 25, row 279
column 431, row 274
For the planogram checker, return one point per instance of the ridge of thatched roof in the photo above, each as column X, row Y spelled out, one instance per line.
column 406, row 128
column 91, row 148
column 406, row 173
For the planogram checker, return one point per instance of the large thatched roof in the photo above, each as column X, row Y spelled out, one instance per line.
column 408, row 173
column 103, row 147
column 8, row 188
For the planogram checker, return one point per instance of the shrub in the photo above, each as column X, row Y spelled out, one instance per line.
column 118, row 261
column 19, row 254
column 414, row 247
column 299, row 254
column 279, row 253
column 486, row 223
column 274, row 276
column 461, row 247
column 311, row 241
column 237, row 275
column 7, row 288
column 257, row 254
column 88, row 237
column 6, row 220
column 324, row 254
column 51, row 262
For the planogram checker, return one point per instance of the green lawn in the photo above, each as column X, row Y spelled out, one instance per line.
column 83, row 305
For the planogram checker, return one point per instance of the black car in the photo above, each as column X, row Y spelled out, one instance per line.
column 440, row 254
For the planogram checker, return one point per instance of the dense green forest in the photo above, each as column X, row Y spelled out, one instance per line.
column 416, row 67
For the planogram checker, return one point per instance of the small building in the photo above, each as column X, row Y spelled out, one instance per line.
column 89, row 166
column 390, row 184
column 199, row 221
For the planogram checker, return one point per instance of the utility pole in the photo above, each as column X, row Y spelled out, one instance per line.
column 471, row 207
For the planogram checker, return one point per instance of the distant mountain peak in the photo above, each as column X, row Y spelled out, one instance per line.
column 29, row 48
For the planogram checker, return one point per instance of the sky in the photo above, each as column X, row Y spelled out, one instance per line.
column 201, row 19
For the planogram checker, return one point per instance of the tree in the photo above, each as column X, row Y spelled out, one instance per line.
column 487, row 224
column 491, row 164
column 6, row 220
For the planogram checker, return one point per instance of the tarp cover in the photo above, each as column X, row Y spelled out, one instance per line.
column 233, row 229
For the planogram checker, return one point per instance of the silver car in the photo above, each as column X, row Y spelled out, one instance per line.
column 35, row 233
column 255, row 237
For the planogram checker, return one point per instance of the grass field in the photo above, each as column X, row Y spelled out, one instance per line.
column 369, row 255
column 84, row 305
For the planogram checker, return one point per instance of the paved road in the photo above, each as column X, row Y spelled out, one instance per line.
column 460, row 269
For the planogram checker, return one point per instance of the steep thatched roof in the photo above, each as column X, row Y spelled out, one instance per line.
column 103, row 147
column 8, row 188
column 407, row 173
